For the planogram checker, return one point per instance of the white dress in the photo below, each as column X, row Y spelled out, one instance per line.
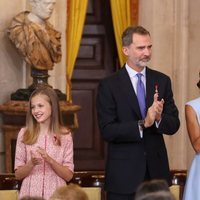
column 192, row 187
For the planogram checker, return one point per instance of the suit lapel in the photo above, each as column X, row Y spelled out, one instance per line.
column 150, row 86
column 128, row 91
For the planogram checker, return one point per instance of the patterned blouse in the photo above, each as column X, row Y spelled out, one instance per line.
column 42, row 180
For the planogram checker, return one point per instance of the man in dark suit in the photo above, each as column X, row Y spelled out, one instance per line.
column 136, row 148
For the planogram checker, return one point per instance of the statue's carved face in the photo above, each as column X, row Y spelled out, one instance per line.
column 43, row 8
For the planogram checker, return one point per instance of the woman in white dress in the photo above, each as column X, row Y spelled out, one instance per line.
column 192, row 114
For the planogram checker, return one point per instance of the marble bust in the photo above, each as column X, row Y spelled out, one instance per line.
column 34, row 37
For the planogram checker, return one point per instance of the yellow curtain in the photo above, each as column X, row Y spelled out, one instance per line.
column 122, row 18
column 76, row 12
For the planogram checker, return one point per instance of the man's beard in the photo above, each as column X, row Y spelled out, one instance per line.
column 142, row 63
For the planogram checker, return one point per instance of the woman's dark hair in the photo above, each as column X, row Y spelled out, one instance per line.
column 198, row 84
column 151, row 186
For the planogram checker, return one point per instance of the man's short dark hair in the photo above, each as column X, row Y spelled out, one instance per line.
column 128, row 33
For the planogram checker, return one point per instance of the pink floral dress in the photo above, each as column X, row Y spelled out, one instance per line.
column 42, row 180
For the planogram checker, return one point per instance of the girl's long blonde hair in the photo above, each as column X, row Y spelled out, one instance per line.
column 32, row 127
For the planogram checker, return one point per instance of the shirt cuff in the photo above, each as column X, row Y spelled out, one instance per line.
column 157, row 123
column 141, row 131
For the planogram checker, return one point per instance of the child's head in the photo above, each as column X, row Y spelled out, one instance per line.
column 42, row 99
column 69, row 192
column 50, row 96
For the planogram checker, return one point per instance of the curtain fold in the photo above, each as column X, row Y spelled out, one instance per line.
column 76, row 12
column 122, row 16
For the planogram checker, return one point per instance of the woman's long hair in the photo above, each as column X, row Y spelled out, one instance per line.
column 32, row 127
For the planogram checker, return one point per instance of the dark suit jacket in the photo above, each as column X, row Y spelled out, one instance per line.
column 129, row 155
